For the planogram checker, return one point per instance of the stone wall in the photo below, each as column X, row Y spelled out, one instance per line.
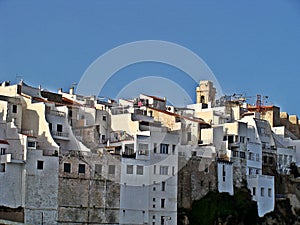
column 92, row 196
column 195, row 180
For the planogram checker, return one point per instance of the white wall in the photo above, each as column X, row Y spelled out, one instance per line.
column 266, row 200
column 11, row 184
column 41, row 188
column 225, row 177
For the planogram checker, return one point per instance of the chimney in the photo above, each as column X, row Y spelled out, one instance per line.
column 71, row 92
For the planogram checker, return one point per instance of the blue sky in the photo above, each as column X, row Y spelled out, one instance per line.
column 251, row 46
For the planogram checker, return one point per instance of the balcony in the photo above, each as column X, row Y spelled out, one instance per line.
column 5, row 158
column 27, row 133
column 60, row 135
column 56, row 113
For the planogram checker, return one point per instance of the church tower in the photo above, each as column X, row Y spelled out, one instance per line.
column 206, row 92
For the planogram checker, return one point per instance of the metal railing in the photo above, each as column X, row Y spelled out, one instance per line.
column 60, row 134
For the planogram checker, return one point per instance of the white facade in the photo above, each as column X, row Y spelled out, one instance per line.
column 149, row 181
column 225, row 177
column 262, row 190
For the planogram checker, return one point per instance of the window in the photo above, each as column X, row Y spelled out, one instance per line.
column 235, row 153
column 111, row 169
column 173, row 149
column 129, row 169
column 251, row 156
column 153, row 217
column 104, row 118
column 206, row 170
column 163, row 186
column 262, row 192
column 242, row 139
column 81, row 168
column 189, row 136
column 143, row 149
column 224, row 173
column 59, row 128
column 40, row 165
column 201, row 183
column 242, row 155
column 50, row 127
column 154, row 169
column 270, row 160
column 254, row 191
column 153, row 199
column 14, row 109
column 269, row 192
column 155, row 148
column 162, row 203
column 280, row 159
column 153, row 206
column 139, row 170
column 173, row 171
column 2, row 151
column 163, row 170
column 67, row 167
column 162, row 220
column 257, row 157
column 164, row 148
column 98, row 169
column 31, row 144
column 70, row 113
column 2, row 167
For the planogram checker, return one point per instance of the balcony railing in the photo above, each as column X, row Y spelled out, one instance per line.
column 56, row 113
column 254, row 176
column 60, row 134
column 27, row 132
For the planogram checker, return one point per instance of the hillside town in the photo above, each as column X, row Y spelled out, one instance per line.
column 72, row 159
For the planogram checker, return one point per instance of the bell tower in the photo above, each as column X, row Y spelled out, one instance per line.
column 206, row 92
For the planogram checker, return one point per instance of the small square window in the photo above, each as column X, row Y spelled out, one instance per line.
column 111, row 169
column 140, row 170
column 163, row 170
column 40, row 165
column 153, row 199
column 59, row 127
column 129, row 169
column 31, row 144
column 67, row 167
column 81, row 168
column 104, row 118
column 269, row 192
